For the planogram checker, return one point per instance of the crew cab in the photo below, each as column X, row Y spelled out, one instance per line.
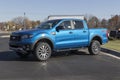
column 57, row 35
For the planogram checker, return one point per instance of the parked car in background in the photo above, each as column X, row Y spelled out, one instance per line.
column 115, row 34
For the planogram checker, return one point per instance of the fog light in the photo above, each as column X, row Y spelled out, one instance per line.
column 27, row 47
column 24, row 47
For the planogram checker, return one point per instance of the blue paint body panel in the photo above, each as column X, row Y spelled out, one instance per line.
column 63, row 39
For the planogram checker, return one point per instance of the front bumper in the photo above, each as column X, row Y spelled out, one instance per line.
column 20, row 47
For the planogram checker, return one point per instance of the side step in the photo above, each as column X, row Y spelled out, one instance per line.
column 69, row 49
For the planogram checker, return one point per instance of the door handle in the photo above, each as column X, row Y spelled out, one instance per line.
column 70, row 32
column 84, row 31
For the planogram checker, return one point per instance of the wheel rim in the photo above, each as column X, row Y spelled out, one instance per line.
column 43, row 52
column 95, row 47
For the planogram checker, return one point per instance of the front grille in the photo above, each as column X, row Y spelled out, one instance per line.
column 15, row 38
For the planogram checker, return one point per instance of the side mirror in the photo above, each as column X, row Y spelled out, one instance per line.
column 59, row 28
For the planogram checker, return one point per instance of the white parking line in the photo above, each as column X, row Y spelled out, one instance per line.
column 111, row 55
column 5, row 36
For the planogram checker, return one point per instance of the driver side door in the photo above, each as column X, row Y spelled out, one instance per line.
column 64, row 36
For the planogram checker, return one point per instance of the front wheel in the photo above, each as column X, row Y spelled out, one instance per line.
column 94, row 47
column 43, row 51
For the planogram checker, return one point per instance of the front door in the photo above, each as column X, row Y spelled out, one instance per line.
column 64, row 36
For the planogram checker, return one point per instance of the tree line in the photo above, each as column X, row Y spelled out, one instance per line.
column 112, row 24
column 19, row 23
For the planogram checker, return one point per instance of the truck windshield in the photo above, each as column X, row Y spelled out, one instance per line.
column 48, row 25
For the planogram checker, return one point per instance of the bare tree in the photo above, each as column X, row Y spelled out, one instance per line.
column 19, row 22
column 93, row 22
column 114, row 22
column 104, row 23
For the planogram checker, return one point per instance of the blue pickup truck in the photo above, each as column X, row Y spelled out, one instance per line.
column 57, row 35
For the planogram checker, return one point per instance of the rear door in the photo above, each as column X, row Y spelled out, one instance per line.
column 80, row 33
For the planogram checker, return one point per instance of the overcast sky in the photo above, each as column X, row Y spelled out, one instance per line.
column 40, row 9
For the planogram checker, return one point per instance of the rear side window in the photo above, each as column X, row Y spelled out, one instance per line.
column 78, row 24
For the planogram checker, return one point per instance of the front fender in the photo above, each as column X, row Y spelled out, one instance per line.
column 39, row 37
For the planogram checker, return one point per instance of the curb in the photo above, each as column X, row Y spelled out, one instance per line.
column 5, row 36
column 4, row 32
column 112, row 52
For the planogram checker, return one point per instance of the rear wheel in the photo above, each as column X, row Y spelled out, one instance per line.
column 94, row 47
column 43, row 51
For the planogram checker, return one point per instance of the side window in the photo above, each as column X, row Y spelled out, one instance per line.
column 78, row 24
column 66, row 25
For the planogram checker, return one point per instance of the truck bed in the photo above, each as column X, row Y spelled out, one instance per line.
column 102, row 32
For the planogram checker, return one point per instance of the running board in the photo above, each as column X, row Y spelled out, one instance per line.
column 60, row 50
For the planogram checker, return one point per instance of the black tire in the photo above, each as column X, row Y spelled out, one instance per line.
column 43, row 51
column 22, row 55
column 94, row 47
column 74, row 51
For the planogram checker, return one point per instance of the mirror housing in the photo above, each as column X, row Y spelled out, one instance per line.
column 59, row 28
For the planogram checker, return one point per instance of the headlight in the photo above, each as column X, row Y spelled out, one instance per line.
column 26, row 36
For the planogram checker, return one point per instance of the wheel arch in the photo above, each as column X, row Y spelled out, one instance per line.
column 98, row 38
column 44, row 40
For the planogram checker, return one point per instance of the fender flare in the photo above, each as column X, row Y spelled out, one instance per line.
column 43, row 38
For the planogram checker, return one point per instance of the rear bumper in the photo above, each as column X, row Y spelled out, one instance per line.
column 105, row 41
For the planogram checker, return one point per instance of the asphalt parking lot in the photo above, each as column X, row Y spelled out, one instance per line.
column 80, row 66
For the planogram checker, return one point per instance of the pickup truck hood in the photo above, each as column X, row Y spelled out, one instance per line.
column 33, row 31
